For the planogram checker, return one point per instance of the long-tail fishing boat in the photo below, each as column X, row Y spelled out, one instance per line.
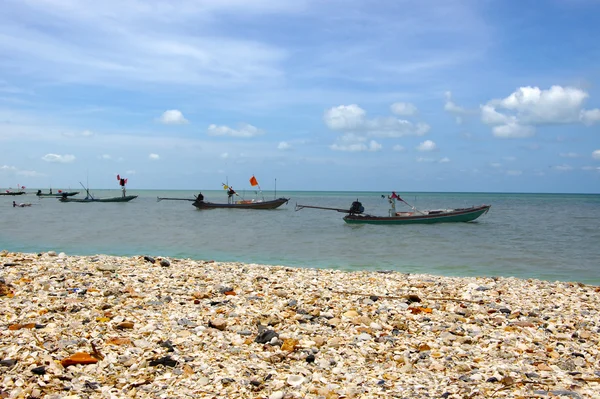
column 356, row 215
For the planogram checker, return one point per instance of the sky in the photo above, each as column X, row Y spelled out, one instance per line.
column 335, row 95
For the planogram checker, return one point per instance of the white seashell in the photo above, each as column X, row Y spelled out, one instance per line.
column 295, row 380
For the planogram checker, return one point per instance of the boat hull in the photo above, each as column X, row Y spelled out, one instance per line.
column 272, row 204
column 113, row 199
column 15, row 193
column 456, row 216
column 58, row 195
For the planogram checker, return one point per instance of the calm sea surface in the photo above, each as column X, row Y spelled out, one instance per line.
column 545, row 236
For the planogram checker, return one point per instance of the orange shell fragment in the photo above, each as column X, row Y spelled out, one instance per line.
column 78, row 358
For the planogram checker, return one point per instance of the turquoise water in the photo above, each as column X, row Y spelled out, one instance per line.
column 545, row 236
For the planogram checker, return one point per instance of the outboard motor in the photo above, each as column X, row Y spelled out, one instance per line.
column 356, row 209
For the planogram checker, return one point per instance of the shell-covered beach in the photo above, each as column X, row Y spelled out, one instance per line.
column 152, row 327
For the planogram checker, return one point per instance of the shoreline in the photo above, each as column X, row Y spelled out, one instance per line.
column 183, row 328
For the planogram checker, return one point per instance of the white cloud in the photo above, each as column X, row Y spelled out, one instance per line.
column 490, row 116
column 423, row 159
column 529, row 106
column 357, row 147
column 245, row 131
column 536, row 106
column 514, row 172
column 513, row 130
column 58, row 158
column 596, row 155
column 569, row 155
column 284, row 145
column 594, row 168
column 352, row 118
column 105, row 156
column 444, row 160
column 154, row 157
column 451, row 107
column 563, row 168
column 173, row 117
column 496, row 165
column 427, row 145
column 398, row 147
column 85, row 133
column 8, row 168
column 589, row 117
column 225, row 155
column 403, row 109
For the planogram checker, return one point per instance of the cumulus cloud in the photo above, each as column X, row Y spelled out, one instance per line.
column 284, row 145
column 154, row 157
column 530, row 106
column 58, row 158
column 596, row 155
column 173, row 117
column 589, row 117
column 245, row 130
column 352, row 118
column 403, row 109
column 451, row 107
column 372, row 146
column 427, row 145
column 513, row 130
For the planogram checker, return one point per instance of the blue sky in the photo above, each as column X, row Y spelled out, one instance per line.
column 481, row 95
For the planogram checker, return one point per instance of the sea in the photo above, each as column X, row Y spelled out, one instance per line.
column 554, row 237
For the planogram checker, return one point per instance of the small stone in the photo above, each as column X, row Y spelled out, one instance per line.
column 166, row 361
column 265, row 336
column 149, row 259
column 39, row 370
column 219, row 324
column 165, row 263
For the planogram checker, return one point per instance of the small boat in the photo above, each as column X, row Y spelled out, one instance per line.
column 126, row 198
column 13, row 193
column 242, row 204
column 58, row 194
column 7, row 192
column 355, row 214
column 90, row 198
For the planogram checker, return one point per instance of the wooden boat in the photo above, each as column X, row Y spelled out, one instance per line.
column 59, row 194
column 126, row 198
column 422, row 217
column 242, row 204
column 355, row 214
column 13, row 193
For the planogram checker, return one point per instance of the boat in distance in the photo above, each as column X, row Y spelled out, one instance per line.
column 242, row 204
column 13, row 193
column 56, row 195
column 126, row 198
column 356, row 215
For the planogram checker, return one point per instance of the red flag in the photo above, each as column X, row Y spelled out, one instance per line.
column 60, row 191
column 125, row 181
column 396, row 196
column 118, row 177
column 253, row 181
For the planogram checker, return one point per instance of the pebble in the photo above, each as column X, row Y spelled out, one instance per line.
column 105, row 326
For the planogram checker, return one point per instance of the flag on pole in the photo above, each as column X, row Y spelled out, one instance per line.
column 253, row 181
column 225, row 186
column 396, row 196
